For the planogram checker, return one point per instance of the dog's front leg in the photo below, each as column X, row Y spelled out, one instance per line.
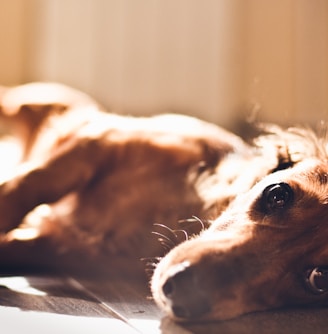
column 66, row 171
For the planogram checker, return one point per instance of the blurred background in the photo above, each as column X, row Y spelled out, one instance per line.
column 226, row 61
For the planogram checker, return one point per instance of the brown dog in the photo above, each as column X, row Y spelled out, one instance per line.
column 93, row 184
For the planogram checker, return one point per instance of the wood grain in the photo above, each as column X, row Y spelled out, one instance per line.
column 66, row 304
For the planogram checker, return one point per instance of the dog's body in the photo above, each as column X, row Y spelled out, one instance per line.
column 93, row 184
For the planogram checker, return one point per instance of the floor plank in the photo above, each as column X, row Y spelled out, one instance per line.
column 61, row 304
column 43, row 304
column 130, row 299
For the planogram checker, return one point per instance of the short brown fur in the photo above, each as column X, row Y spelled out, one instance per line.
column 93, row 184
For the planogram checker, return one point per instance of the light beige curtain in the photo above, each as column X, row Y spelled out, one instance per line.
column 222, row 60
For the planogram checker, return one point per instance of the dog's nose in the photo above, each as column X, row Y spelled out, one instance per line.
column 185, row 294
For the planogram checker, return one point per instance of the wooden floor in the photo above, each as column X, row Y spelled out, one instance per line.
column 66, row 304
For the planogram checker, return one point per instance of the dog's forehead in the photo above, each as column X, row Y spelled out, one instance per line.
column 309, row 170
column 318, row 174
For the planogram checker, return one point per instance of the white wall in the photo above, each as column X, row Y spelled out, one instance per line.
column 12, row 43
column 287, row 59
column 223, row 60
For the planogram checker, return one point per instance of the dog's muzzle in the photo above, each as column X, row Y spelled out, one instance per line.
column 182, row 295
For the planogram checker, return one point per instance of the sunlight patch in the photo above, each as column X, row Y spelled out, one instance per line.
column 21, row 285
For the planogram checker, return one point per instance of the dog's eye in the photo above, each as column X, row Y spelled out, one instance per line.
column 276, row 197
column 317, row 280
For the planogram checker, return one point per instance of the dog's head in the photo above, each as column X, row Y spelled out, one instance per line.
column 269, row 249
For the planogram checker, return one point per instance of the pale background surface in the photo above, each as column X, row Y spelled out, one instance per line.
column 222, row 60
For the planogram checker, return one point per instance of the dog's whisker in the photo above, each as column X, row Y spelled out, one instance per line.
column 166, row 248
column 200, row 222
column 167, row 229
column 166, row 245
column 163, row 238
column 184, row 233
column 194, row 219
